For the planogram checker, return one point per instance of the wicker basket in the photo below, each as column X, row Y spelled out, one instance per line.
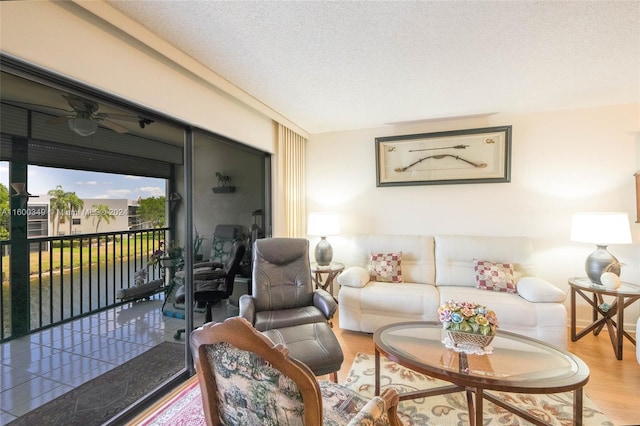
column 472, row 339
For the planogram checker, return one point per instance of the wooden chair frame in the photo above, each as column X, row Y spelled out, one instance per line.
column 240, row 333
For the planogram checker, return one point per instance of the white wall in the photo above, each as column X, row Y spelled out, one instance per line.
column 562, row 162
column 66, row 39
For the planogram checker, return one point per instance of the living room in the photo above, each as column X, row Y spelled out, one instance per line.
column 569, row 158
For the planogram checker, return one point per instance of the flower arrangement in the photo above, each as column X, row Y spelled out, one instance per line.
column 468, row 317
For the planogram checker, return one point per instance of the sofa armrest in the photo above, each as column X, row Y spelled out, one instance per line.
column 325, row 302
column 537, row 290
column 354, row 276
column 247, row 308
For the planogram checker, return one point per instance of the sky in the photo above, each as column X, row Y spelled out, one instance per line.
column 88, row 185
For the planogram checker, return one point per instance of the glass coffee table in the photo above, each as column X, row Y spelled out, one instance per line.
column 517, row 364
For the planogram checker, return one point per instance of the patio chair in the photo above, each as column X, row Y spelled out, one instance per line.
column 214, row 284
column 247, row 379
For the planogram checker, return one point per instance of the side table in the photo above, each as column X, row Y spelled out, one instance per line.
column 331, row 271
column 604, row 314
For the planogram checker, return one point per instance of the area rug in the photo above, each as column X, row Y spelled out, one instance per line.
column 100, row 399
column 451, row 409
column 185, row 406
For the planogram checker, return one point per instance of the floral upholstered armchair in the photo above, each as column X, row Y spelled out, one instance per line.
column 247, row 380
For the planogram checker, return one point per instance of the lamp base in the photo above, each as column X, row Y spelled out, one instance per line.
column 598, row 261
column 323, row 252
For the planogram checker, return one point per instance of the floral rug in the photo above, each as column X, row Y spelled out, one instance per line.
column 185, row 406
column 451, row 409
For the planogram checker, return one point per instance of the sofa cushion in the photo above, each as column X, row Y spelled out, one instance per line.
column 537, row 290
column 494, row 276
column 417, row 254
column 511, row 309
column 354, row 276
column 379, row 303
column 455, row 254
column 386, row 267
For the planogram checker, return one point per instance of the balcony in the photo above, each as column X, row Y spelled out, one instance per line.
column 77, row 328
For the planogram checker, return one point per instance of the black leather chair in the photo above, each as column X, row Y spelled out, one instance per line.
column 214, row 284
column 285, row 307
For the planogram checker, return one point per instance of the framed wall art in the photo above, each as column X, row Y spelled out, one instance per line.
column 452, row 157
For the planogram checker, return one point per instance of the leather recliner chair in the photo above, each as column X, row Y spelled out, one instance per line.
column 282, row 289
column 287, row 309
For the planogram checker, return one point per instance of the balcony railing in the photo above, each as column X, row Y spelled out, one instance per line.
column 74, row 276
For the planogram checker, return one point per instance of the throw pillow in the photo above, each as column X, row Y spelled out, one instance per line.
column 386, row 267
column 494, row 276
column 354, row 276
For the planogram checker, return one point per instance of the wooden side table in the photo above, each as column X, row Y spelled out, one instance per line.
column 331, row 271
column 604, row 314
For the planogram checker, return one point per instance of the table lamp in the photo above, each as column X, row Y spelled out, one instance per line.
column 323, row 225
column 601, row 229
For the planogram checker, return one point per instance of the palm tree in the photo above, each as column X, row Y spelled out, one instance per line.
column 57, row 205
column 63, row 205
column 75, row 204
column 100, row 212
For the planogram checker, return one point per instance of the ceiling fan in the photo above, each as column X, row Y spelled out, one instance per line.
column 84, row 117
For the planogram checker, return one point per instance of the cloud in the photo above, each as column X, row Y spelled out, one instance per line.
column 89, row 182
column 154, row 191
column 119, row 193
column 133, row 177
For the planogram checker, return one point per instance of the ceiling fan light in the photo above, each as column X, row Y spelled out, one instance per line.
column 83, row 126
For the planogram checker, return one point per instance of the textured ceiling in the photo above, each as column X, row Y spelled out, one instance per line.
column 331, row 65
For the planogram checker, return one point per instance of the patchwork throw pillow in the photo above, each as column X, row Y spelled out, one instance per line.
column 386, row 267
column 494, row 276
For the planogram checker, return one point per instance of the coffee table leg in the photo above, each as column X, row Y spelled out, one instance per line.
column 472, row 412
column 377, row 375
column 479, row 406
column 577, row 407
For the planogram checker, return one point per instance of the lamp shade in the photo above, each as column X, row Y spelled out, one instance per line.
column 323, row 224
column 601, row 228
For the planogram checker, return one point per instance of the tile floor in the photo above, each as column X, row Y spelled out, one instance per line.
column 42, row 366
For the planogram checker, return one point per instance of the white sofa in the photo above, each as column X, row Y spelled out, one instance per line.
column 441, row 268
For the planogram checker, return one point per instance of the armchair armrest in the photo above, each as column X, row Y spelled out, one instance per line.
column 325, row 302
column 377, row 406
column 247, row 308
column 210, row 265
column 209, row 274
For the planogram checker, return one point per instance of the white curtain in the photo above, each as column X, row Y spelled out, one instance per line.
column 290, row 184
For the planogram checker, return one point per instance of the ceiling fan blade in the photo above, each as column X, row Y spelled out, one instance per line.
column 120, row 117
column 82, row 104
column 59, row 120
column 113, row 126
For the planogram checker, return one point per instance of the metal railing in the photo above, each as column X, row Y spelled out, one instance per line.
column 78, row 275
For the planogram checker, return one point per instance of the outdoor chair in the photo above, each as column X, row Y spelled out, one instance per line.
column 214, row 284
column 247, row 379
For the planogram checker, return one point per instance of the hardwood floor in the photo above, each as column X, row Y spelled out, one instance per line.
column 613, row 385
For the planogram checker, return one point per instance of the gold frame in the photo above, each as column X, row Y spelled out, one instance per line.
column 451, row 157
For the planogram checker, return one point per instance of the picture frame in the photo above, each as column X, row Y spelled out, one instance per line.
column 440, row 158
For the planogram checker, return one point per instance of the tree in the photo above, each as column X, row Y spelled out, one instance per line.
column 152, row 210
column 63, row 205
column 56, row 206
column 4, row 212
column 100, row 212
column 75, row 205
